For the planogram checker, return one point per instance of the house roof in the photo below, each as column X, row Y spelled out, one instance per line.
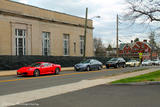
column 132, row 44
column 122, row 46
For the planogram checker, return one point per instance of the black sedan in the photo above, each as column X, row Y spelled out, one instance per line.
column 88, row 65
column 116, row 62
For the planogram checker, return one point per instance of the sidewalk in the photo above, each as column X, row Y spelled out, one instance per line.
column 14, row 72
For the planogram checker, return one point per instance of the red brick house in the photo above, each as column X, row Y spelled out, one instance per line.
column 133, row 49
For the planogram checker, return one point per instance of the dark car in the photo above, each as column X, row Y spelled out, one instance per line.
column 88, row 65
column 116, row 62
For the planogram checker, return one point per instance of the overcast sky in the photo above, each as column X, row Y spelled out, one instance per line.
column 105, row 27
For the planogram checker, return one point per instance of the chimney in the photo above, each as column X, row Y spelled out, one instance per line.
column 145, row 40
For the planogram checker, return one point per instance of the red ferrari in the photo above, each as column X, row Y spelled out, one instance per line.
column 39, row 68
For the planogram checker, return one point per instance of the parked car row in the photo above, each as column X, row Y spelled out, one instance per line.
column 151, row 62
column 41, row 68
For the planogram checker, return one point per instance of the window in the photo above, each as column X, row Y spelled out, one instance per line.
column 46, row 64
column 66, row 44
column 143, row 46
column 46, row 43
column 81, row 45
column 20, row 41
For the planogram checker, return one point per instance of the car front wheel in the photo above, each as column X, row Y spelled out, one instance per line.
column 57, row 71
column 36, row 73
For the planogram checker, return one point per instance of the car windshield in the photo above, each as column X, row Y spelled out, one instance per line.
column 155, row 60
column 132, row 61
column 146, row 60
column 85, row 61
column 113, row 59
column 35, row 64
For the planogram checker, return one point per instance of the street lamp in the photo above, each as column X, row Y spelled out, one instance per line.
column 96, row 17
column 85, row 31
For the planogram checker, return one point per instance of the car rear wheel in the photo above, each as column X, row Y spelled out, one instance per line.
column 88, row 68
column 134, row 65
column 99, row 67
column 36, row 73
column 57, row 71
column 116, row 66
column 107, row 67
column 124, row 65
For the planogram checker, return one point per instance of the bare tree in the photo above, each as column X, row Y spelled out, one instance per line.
column 136, row 39
column 99, row 47
column 152, row 39
column 143, row 10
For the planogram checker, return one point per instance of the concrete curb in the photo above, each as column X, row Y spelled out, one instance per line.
column 137, row 83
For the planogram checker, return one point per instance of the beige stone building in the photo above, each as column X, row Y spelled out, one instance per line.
column 29, row 30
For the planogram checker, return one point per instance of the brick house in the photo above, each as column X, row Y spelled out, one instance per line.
column 134, row 48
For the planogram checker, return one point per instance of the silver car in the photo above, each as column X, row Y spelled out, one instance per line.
column 88, row 65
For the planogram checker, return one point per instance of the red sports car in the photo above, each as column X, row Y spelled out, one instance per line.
column 39, row 68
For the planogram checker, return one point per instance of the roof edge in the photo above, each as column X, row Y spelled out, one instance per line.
column 47, row 9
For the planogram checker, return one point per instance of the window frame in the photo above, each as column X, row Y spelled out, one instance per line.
column 17, row 38
column 46, row 38
column 66, row 41
column 81, row 45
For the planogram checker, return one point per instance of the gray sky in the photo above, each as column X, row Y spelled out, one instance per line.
column 105, row 27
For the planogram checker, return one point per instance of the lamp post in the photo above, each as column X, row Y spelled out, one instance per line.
column 96, row 17
column 85, row 31
column 117, row 37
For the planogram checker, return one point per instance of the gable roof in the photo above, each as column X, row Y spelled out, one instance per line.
column 133, row 44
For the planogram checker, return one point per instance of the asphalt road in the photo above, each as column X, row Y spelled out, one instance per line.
column 13, row 84
column 104, row 96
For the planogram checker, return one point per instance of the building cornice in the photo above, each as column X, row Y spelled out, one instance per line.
column 10, row 13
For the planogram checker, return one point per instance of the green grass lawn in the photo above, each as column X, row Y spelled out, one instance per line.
column 153, row 76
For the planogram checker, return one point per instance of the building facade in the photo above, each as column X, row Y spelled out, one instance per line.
column 29, row 30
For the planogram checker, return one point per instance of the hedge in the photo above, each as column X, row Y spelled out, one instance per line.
column 15, row 62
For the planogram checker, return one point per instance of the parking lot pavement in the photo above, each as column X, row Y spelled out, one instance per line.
column 105, row 96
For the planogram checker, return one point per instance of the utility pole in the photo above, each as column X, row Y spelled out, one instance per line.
column 117, row 36
column 85, row 33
